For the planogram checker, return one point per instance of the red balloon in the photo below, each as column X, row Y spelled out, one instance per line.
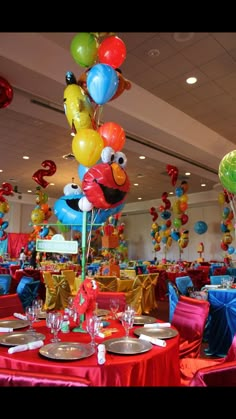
column 6, row 93
column 39, row 174
column 112, row 51
column 6, row 189
column 113, row 135
column 184, row 218
column 173, row 173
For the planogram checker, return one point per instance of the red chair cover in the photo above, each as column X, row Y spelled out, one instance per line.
column 223, row 375
column 189, row 318
column 10, row 304
column 103, row 299
column 16, row 378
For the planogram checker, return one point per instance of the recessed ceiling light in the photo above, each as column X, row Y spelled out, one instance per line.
column 26, row 157
column 140, row 199
column 191, row 80
column 135, row 184
column 154, row 52
column 183, row 36
column 1, row 170
column 140, row 175
column 52, row 184
column 203, row 184
column 29, row 190
column 142, row 157
column 187, row 173
column 171, row 193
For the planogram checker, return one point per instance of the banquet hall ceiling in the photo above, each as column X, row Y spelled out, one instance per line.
column 170, row 122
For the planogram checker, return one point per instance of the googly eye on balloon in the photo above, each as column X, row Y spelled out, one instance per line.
column 72, row 189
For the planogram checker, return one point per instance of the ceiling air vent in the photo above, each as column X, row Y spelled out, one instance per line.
column 69, row 156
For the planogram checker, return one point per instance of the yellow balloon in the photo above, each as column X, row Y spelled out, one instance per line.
column 221, row 198
column 78, row 108
column 87, row 146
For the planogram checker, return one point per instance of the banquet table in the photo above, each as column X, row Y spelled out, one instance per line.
column 157, row 367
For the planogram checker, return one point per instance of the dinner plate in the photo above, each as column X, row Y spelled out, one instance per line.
column 155, row 332
column 67, row 351
column 14, row 324
column 127, row 346
column 102, row 312
column 16, row 338
column 140, row 320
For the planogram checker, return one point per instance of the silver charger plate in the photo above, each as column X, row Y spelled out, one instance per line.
column 155, row 332
column 14, row 324
column 17, row 338
column 142, row 319
column 67, row 351
column 127, row 346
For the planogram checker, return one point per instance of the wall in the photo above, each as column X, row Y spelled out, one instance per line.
column 138, row 222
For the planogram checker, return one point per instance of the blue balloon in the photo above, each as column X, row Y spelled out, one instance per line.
column 102, row 83
column 82, row 170
column 231, row 250
column 200, row 227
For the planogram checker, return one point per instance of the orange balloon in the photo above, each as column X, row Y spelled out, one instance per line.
column 113, row 135
column 87, row 146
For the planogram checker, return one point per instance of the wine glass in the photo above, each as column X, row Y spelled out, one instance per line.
column 31, row 314
column 38, row 304
column 55, row 322
column 114, row 307
column 93, row 326
column 127, row 320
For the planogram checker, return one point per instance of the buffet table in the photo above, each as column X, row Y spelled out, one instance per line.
column 157, row 367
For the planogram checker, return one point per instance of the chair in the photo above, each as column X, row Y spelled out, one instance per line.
column 133, row 292
column 148, row 282
column 16, row 378
column 223, row 375
column 106, row 282
column 29, row 293
column 103, row 299
column 183, row 283
column 57, row 292
column 5, row 283
column 173, row 294
column 189, row 366
column 217, row 279
column 24, row 280
column 189, row 319
column 10, row 304
column 70, row 276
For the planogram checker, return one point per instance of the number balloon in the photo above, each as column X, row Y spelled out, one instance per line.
column 39, row 174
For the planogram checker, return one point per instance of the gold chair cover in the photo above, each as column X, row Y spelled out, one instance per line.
column 69, row 274
column 106, row 283
column 133, row 292
column 148, row 283
column 57, row 292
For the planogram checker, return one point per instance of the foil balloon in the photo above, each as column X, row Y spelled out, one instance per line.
column 6, row 93
column 227, row 171
column 38, row 176
column 113, row 135
column 173, row 173
column 77, row 105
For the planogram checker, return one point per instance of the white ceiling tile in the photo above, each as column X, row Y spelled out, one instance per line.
column 228, row 82
column 219, row 66
column 149, row 78
column 168, row 90
column 169, row 37
column 164, row 50
column 183, row 101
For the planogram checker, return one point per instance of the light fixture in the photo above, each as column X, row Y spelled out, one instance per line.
column 136, row 184
column 26, row 157
column 183, row 36
column 203, row 184
column 142, row 157
column 171, row 193
column 191, row 80
column 140, row 198
column 29, row 191
column 1, row 170
column 154, row 52
column 187, row 173
column 52, row 184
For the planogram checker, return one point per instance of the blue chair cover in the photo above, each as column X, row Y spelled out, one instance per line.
column 222, row 321
column 173, row 299
column 216, row 279
column 182, row 283
column 29, row 293
column 5, row 283
column 24, row 280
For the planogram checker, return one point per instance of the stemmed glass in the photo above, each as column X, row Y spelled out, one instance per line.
column 93, row 326
column 127, row 320
column 38, row 304
column 31, row 314
column 114, row 307
column 55, row 322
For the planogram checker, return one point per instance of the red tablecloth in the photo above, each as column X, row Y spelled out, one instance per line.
column 158, row 367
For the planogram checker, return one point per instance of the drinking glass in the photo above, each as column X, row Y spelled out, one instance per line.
column 127, row 320
column 38, row 305
column 55, row 322
column 30, row 313
column 93, row 326
column 114, row 307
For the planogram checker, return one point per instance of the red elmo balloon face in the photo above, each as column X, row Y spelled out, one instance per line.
column 106, row 185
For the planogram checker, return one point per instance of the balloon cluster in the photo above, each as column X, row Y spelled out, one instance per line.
column 7, row 190
column 6, row 93
column 40, row 215
column 161, row 233
column 97, row 147
column 180, row 205
column 226, row 224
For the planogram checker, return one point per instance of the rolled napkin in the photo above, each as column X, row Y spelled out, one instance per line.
column 6, row 329
column 101, row 355
column 20, row 316
column 154, row 341
column 159, row 325
column 26, row 347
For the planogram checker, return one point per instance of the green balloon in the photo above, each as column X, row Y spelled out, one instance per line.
column 227, row 171
column 84, row 49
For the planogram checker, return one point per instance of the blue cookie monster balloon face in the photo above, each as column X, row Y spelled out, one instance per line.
column 67, row 210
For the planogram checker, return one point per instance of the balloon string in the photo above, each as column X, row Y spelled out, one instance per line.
column 96, row 116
